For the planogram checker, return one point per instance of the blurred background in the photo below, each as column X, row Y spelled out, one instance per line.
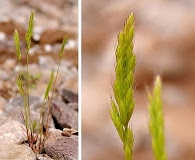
column 164, row 45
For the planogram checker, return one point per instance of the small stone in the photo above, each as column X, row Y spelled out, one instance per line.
column 71, row 44
column 18, row 101
column 33, row 50
column 47, row 48
column 4, row 75
column 71, row 84
column 43, row 157
column 8, row 28
column 54, row 132
column 2, row 36
column 36, row 37
column 51, row 36
column 69, row 96
column 63, row 115
column 63, row 148
column 67, row 132
column 46, row 62
column 9, row 64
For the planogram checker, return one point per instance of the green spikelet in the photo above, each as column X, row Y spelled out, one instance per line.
column 156, row 122
column 29, row 32
column 17, row 44
column 63, row 45
column 20, row 86
column 123, row 102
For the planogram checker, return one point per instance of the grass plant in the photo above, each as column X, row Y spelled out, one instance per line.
column 36, row 131
column 123, row 102
column 156, row 122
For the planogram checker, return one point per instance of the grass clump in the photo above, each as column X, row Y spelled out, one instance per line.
column 36, row 130
column 156, row 122
column 123, row 103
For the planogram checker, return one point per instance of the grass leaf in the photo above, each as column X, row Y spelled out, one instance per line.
column 49, row 86
column 34, row 124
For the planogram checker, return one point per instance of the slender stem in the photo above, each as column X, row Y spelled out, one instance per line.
column 27, row 87
column 48, row 118
column 50, row 100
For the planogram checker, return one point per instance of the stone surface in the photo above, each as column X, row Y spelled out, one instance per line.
column 14, row 110
column 43, row 157
column 16, row 152
column 54, row 132
column 69, row 96
column 56, row 36
column 71, row 83
column 73, row 105
column 65, row 116
column 18, row 101
column 4, row 75
column 9, row 27
column 12, row 132
column 62, row 148
column 9, row 64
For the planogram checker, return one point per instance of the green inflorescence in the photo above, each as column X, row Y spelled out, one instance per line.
column 156, row 122
column 123, row 102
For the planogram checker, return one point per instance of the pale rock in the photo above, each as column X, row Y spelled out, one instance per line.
column 54, row 132
column 9, row 64
column 12, row 132
column 16, row 152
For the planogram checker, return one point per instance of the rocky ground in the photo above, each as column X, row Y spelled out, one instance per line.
column 164, row 44
column 52, row 21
